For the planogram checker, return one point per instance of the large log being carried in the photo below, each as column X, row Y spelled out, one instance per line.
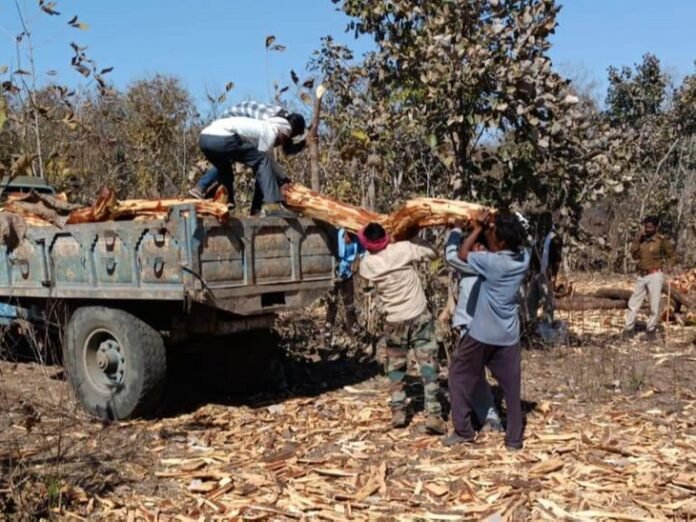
column 403, row 223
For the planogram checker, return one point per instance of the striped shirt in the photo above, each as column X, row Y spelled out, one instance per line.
column 255, row 110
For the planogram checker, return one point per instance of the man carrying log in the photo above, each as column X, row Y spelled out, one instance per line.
column 348, row 251
column 654, row 253
column 409, row 324
column 467, row 297
column 248, row 134
column 494, row 338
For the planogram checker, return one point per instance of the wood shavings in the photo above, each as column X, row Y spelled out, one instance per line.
column 627, row 455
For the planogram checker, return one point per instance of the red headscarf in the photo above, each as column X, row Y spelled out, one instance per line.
column 373, row 246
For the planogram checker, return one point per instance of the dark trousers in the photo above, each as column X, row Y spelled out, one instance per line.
column 345, row 288
column 222, row 152
column 466, row 369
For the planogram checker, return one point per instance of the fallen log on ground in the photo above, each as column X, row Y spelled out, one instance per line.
column 579, row 303
column 613, row 293
column 678, row 299
column 403, row 223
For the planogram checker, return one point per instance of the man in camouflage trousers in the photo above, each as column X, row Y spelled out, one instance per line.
column 409, row 324
column 418, row 334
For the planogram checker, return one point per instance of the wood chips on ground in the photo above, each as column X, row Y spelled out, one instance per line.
column 333, row 458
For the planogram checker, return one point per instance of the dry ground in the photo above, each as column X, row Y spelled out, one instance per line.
column 611, row 435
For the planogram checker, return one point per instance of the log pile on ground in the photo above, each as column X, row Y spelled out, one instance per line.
column 685, row 282
column 609, row 298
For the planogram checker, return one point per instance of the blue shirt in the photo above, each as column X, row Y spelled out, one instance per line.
column 347, row 254
column 469, row 282
column 496, row 319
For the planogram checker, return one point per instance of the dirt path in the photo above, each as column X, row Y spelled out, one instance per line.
column 611, row 434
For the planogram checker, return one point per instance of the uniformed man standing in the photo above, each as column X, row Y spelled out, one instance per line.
column 654, row 253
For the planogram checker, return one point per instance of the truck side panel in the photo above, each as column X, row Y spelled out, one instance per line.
column 230, row 267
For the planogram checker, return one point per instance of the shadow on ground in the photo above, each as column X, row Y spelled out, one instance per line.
column 257, row 369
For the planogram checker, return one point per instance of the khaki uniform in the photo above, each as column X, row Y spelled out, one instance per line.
column 652, row 254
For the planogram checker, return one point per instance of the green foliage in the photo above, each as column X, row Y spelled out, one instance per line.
column 465, row 93
column 636, row 93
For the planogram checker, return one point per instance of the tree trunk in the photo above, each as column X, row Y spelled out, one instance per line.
column 372, row 191
column 313, row 143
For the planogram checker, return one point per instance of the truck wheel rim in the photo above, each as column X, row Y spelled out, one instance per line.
column 104, row 361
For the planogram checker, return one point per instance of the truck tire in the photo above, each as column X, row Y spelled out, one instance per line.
column 116, row 363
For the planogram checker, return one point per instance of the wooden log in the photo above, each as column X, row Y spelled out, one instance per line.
column 35, row 210
column 401, row 224
column 613, row 293
column 58, row 202
column 99, row 211
column 107, row 207
column 678, row 299
column 588, row 302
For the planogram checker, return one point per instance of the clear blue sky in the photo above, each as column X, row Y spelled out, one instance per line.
column 209, row 42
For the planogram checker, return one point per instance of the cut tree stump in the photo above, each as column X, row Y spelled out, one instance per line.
column 403, row 223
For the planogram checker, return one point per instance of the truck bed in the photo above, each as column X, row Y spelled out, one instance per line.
column 248, row 266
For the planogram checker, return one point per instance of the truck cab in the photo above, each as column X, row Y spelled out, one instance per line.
column 24, row 184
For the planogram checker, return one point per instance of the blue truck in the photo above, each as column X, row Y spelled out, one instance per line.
column 126, row 290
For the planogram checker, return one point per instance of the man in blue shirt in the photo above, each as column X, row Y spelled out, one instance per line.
column 494, row 337
column 469, row 286
column 348, row 251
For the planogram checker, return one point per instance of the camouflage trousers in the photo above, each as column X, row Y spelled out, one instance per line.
column 345, row 289
column 419, row 334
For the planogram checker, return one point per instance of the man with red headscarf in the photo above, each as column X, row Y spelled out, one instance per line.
column 409, row 324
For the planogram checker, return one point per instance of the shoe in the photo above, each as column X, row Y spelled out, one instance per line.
column 399, row 419
column 277, row 210
column 628, row 334
column 651, row 336
column 195, row 192
column 492, row 426
column 513, row 447
column 435, row 425
column 454, row 439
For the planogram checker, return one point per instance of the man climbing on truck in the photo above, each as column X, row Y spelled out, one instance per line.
column 247, row 134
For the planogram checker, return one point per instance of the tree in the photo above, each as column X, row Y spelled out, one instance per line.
column 27, row 107
column 636, row 93
column 157, row 135
column 469, row 83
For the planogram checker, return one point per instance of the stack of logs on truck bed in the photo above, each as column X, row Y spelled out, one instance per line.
column 48, row 210
column 44, row 209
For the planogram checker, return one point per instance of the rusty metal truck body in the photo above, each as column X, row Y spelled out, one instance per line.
column 130, row 285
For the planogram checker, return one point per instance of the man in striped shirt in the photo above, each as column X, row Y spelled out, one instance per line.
column 247, row 133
